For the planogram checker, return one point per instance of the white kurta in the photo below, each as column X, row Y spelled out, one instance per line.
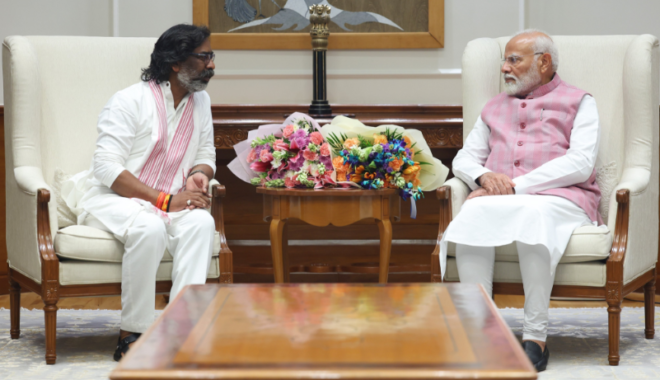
column 128, row 132
column 492, row 221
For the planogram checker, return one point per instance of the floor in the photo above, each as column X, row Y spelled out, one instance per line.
column 32, row 301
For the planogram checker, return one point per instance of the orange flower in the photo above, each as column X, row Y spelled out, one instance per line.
column 340, row 167
column 411, row 174
column 412, row 169
column 408, row 141
column 338, row 162
column 379, row 139
column 388, row 181
column 356, row 178
column 349, row 143
column 396, row 164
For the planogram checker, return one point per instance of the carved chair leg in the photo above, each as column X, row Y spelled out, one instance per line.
column 435, row 265
column 50, row 311
column 649, row 308
column 614, row 322
column 14, row 308
column 226, row 266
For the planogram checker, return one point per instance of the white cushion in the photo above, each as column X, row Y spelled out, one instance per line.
column 65, row 217
column 576, row 274
column 91, row 244
column 73, row 272
column 588, row 243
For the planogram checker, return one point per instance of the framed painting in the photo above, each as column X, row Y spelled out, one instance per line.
column 355, row 24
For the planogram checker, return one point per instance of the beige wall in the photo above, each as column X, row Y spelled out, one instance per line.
column 354, row 77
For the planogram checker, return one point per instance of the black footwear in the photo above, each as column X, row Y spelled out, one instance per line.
column 122, row 345
column 539, row 359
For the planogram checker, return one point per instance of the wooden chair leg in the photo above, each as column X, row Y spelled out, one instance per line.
column 649, row 309
column 14, row 308
column 50, row 312
column 435, row 265
column 614, row 322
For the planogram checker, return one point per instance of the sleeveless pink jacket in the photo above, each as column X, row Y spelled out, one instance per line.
column 526, row 133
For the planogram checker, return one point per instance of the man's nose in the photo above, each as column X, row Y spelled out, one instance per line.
column 505, row 68
column 211, row 65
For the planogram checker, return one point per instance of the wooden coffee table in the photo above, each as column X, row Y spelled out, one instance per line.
column 338, row 331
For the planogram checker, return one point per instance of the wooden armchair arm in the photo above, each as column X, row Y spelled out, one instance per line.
column 620, row 240
column 226, row 261
column 50, row 270
column 614, row 285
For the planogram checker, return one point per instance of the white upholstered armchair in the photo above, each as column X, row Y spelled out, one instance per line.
column 621, row 72
column 54, row 90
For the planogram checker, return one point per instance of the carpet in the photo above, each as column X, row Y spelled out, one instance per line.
column 86, row 341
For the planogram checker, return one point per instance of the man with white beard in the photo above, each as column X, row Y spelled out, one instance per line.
column 529, row 162
column 150, row 173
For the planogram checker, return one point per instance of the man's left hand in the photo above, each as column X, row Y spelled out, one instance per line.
column 198, row 181
column 480, row 192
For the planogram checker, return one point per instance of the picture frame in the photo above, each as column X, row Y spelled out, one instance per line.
column 431, row 39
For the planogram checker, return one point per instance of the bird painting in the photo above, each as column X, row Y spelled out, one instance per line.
column 242, row 11
column 295, row 14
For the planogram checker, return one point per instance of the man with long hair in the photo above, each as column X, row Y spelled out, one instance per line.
column 150, row 173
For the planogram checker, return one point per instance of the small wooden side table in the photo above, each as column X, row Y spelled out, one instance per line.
column 339, row 207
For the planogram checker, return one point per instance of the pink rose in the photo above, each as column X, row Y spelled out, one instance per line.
column 252, row 155
column 288, row 131
column 280, row 145
column 266, row 156
column 325, row 149
column 310, row 156
column 316, row 138
column 289, row 182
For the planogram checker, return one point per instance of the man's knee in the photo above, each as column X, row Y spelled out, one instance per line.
column 151, row 227
column 202, row 221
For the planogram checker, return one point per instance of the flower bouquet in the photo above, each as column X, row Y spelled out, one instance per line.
column 293, row 154
column 388, row 156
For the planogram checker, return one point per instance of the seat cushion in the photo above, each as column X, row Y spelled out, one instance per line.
column 91, row 244
column 588, row 243
column 574, row 274
column 74, row 272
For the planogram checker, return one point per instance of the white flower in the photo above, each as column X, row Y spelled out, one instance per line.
column 314, row 170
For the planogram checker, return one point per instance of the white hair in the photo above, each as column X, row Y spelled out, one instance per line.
column 543, row 44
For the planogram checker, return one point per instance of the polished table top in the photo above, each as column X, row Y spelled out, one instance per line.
column 440, row 331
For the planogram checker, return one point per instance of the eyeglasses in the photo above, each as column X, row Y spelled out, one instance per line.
column 206, row 57
column 514, row 60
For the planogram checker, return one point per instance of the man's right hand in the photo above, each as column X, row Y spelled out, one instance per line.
column 497, row 183
column 197, row 197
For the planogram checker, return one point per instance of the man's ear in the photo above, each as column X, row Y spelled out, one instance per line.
column 546, row 63
column 176, row 67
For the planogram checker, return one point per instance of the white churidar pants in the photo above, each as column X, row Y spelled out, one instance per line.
column 541, row 226
column 475, row 266
column 190, row 241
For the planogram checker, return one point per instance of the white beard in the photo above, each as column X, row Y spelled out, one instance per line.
column 186, row 78
column 524, row 84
